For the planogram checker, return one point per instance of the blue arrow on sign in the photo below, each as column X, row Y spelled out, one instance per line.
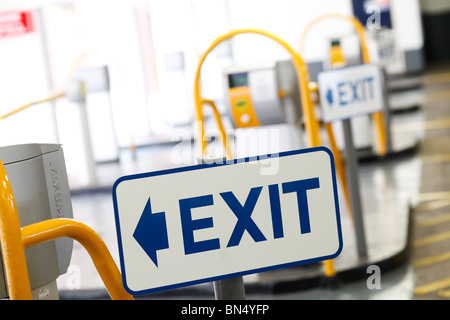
column 330, row 96
column 151, row 232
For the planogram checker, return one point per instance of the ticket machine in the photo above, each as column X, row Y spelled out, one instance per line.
column 264, row 106
column 263, row 94
column 38, row 178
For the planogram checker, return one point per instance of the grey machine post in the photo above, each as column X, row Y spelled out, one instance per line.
column 353, row 180
column 38, row 178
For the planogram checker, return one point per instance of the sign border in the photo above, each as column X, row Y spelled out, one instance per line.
column 212, row 165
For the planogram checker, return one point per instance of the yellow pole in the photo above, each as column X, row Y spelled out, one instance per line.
column 313, row 87
column 337, row 59
column 15, row 265
column 26, row 106
column 223, row 135
column 311, row 123
column 378, row 118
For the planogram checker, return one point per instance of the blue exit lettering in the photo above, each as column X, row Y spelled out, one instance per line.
column 360, row 90
column 387, row 51
column 243, row 212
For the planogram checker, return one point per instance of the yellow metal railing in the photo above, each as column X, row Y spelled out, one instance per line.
column 223, row 135
column 378, row 118
column 311, row 124
column 50, row 97
column 14, row 240
column 53, row 96
column 56, row 228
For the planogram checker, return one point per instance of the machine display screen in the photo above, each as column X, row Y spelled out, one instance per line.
column 238, row 80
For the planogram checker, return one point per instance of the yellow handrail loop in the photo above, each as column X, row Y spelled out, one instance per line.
column 56, row 228
column 311, row 123
column 15, row 265
column 14, row 240
column 378, row 117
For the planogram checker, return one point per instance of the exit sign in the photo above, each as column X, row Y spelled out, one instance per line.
column 15, row 23
column 208, row 222
column 351, row 91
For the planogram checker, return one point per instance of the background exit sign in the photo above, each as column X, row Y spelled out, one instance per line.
column 16, row 23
